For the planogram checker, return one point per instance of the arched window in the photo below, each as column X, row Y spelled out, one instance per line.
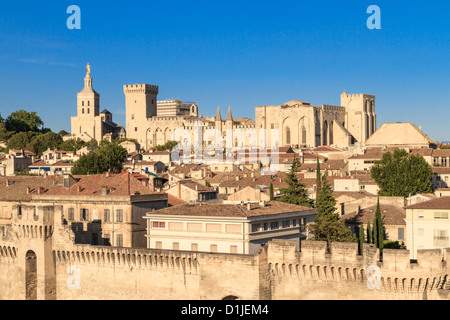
column 82, row 111
column 88, row 111
column 288, row 136
column 303, row 135
column 325, row 133
column 82, row 103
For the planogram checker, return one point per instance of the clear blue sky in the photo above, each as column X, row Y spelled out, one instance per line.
column 229, row 53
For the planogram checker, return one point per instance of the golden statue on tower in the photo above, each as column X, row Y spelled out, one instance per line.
column 88, row 67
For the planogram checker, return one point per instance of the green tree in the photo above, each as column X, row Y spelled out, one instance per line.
column 325, row 202
column 318, row 178
column 109, row 157
column 295, row 192
column 167, row 146
column 43, row 142
column 361, row 239
column 401, row 174
column 271, row 191
column 380, row 227
column 369, row 232
column 72, row 145
column 327, row 226
column 375, row 232
column 23, row 121
column 21, row 140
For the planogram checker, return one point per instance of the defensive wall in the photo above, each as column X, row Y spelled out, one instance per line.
column 39, row 260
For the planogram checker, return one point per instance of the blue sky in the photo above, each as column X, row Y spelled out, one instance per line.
column 229, row 53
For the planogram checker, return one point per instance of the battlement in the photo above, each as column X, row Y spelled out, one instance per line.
column 131, row 257
column 140, row 88
column 326, row 107
column 356, row 95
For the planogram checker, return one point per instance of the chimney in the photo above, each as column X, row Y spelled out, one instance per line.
column 108, row 174
column 104, row 190
column 249, row 206
column 262, row 204
column 179, row 189
column 40, row 190
column 28, row 190
column 8, row 183
column 79, row 189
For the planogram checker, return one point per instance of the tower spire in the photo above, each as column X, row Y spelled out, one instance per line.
column 218, row 116
column 230, row 116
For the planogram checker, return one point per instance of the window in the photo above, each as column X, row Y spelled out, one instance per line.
column 214, row 248
column 135, row 129
column 233, row 249
column 158, row 245
column 401, row 234
column 255, row 227
column 272, row 126
column 107, row 240
column 132, row 117
column 420, row 232
column 266, row 226
column 94, row 239
column 71, row 214
column 286, row 224
column 176, row 246
column 441, row 215
column 119, row 215
column 274, row 225
column 159, row 225
column 421, row 215
column 194, row 247
column 107, row 216
column 119, row 240
column 84, row 214
column 294, row 222
column 441, row 238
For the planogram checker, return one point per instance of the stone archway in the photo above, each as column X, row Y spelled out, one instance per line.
column 31, row 275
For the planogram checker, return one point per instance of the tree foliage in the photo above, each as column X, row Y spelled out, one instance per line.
column 295, row 192
column 401, row 174
column 23, row 121
column 327, row 226
column 108, row 157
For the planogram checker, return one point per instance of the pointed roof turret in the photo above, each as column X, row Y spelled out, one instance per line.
column 230, row 116
column 218, row 116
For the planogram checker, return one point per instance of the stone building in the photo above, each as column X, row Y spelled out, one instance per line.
column 90, row 123
column 226, row 228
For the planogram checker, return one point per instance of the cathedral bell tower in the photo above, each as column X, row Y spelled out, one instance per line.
column 88, row 100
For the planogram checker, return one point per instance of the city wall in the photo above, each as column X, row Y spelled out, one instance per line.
column 39, row 260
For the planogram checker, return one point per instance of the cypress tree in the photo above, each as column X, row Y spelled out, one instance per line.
column 369, row 233
column 375, row 232
column 272, row 197
column 361, row 239
column 380, row 227
column 318, row 179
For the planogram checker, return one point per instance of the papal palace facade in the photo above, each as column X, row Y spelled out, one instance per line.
column 152, row 122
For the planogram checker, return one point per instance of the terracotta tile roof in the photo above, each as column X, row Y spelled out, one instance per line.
column 325, row 149
column 196, row 186
column 174, row 201
column 123, row 184
column 391, row 214
column 18, row 185
column 231, row 210
column 441, row 170
column 438, row 203
column 441, row 153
